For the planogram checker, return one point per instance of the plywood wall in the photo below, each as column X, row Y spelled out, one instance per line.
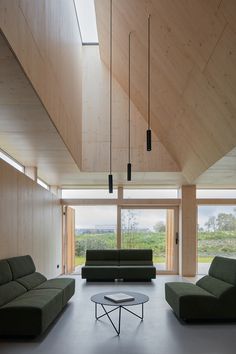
column 45, row 37
column 30, row 221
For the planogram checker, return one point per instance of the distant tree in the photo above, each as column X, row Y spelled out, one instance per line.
column 160, row 226
column 129, row 227
column 226, row 222
column 211, row 224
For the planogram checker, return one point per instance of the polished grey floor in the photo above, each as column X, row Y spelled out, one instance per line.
column 77, row 332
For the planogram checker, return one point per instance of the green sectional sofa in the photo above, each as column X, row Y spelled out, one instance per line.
column 213, row 297
column 126, row 264
column 28, row 301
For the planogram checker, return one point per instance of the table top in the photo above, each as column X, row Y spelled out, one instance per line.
column 138, row 298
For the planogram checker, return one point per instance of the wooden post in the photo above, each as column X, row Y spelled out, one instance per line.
column 188, row 227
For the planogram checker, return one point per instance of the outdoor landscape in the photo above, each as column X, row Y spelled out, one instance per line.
column 216, row 237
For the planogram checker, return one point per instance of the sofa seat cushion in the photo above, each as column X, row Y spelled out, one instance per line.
column 67, row 285
column 5, row 272
column 32, row 280
column 10, row 291
column 191, row 302
column 100, row 272
column 21, row 266
column 137, row 272
column 31, row 313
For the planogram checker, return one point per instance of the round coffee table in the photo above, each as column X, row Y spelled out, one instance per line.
column 99, row 299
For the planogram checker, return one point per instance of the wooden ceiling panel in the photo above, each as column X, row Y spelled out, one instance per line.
column 188, row 42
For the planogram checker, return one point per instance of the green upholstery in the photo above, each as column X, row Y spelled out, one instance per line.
column 5, row 272
column 214, row 286
column 10, row 291
column 127, row 264
column 31, row 313
column 25, row 308
column 67, row 285
column 21, row 266
column 224, row 269
column 98, row 257
column 137, row 272
column 32, row 280
column 212, row 297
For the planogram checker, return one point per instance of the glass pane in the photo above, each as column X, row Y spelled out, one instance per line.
column 150, row 228
column 216, row 234
column 150, row 193
column 88, row 194
column 95, row 228
column 87, row 20
column 11, row 161
column 216, row 193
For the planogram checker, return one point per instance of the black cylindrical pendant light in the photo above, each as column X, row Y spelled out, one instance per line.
column 149, row 132
column 129, row 167
column 110, row 177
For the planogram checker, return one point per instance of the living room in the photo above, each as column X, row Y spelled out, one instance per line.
column 122, row 139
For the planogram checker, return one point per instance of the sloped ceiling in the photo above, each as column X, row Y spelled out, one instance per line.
column 193, row 72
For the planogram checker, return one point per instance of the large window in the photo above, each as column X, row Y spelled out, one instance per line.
column 95, row 228
column 151, row 228
column 216, row 234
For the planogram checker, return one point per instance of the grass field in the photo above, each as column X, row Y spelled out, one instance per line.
column 209, row 244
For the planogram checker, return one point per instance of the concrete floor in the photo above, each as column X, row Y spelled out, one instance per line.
column 77, row 332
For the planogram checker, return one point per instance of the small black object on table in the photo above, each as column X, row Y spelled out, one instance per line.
column 138, row 299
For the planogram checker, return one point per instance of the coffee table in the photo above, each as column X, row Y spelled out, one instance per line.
column 99, row 299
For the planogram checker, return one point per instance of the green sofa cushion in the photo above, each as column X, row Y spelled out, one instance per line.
column 137, row 272
column 5, row 272
column 191, row 302
column 136, row 263
column 67, row 285
column 31, row 313
column 100, row 272
column 109, row 257
column 135, row 255
column 10, row 291
column 32, row 280
column 224, row 269
column 101, row 263
column 21, row 266
column 214, row 286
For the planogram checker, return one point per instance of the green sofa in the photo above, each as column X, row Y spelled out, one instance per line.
column 28, row 301
column 212, row 298
column 126, row 264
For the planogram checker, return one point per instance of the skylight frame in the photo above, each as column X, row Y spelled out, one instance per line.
column 86, row 8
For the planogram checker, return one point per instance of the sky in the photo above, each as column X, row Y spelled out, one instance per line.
column 92, row 216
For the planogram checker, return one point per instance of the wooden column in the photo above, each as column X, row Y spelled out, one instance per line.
column 31, row 172
column 188, row 228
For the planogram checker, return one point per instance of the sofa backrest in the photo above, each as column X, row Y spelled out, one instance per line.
column 216, row 287
column 135, row 257
column 5, row 272
column 102, row 257
column 224, row 269
column 21, row 266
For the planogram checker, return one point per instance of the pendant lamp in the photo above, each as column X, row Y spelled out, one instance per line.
column 129, row 167
column 110, row 176
column 149, row 132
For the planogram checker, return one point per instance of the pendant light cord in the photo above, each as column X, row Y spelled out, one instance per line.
column 149, row 84
column 129, row 99
column 110, row 86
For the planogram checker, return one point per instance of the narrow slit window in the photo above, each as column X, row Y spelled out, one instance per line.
column 85, row 12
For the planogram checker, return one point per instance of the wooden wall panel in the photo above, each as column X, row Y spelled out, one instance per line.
column 45, row 38
column 30, row 221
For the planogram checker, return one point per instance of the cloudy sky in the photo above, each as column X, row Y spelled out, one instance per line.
column 92, row 216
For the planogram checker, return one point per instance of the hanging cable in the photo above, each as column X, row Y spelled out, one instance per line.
column 110, row 177
column 149, row 132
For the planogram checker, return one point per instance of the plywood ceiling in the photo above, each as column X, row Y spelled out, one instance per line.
column 193, row 72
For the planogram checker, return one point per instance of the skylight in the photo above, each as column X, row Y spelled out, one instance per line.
column 87, row 21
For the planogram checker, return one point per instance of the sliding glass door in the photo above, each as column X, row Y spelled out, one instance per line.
column 154, row 228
